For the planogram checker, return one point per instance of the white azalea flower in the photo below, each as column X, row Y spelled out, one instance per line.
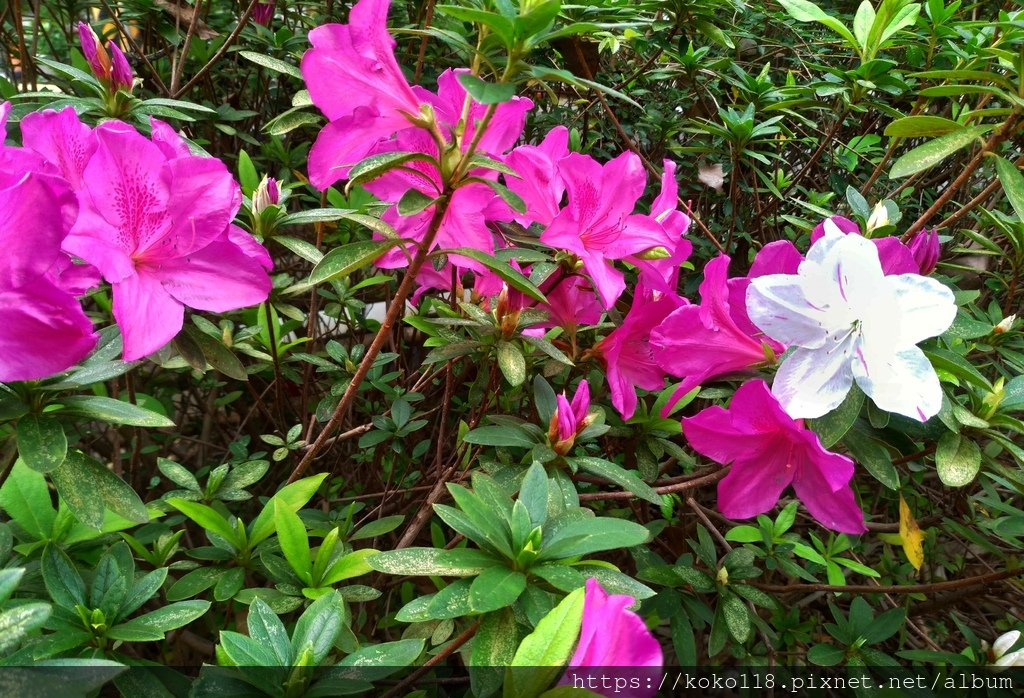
column 849, row 322
column 1001, row 645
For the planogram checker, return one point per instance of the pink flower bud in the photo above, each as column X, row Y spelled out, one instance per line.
column 263, row 13
column 925, row 248
column 266, row 194
column 94, row 52
column 121, row 73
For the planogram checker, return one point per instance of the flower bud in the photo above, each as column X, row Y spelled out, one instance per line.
column 266, row 194
column 120, row 72
column 879, row 218
column 94, row 52
column 925, row 248
column 1005, row 325
column 263, row 13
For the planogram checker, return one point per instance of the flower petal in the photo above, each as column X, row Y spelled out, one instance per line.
column 904, row 383
column 201, row 280
column 148, row 316
column 812, row 382
column 924, row 307
column 836, row 509
column 44, row 332
column 776, row 304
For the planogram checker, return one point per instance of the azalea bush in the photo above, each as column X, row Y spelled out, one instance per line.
column 358, row 342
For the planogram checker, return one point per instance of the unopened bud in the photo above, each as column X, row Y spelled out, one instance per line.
column 95, row 55
column 121, row 77
column 879, row 218
column 653, row 253
column 1005, row 325
column 267, row 194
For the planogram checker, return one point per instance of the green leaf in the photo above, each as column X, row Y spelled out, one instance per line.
column 935, row 151
column 737, row 619
column 825, row 655
column 141, row 592
column 291, row 534
column 196, row 581
column 804, row 11
column 218, row 355
column 496, row 587
column 1013, row 184
column 352, row 565
column 247, row 176
column 16, row 623
column 873, row 456
column 920, row 126
column 274, row 64
column 499, row 436
column 41, row 442
column 834, row 425
column 504, row 271
column 113, row 411
column 494, row 647
column 376, row 165
column 318, row 627
column 511, row 363
column 958, row 460
column 246, row 651
column 428, row 561
column 378, row 527
column 178, row 474
column 620, row 476
column 342, row 261
column 294, row 495
column 170, row 617
column 592, row 535
column 87, row 487
column 534, row 493
column 413, row 201
column 267, row 629
column 546, row 649
column 25, row 498
column 209, row 519
column 62, row 580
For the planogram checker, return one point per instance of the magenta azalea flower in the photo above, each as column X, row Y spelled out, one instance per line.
column 627, row 351
column 599, row 225
column 769, row 450
column 263, row 13
column 45, row 330
column 571, row 303
column 715, row 338
column 472, row 205
column 354, row 79
column 159, row 230
column 663, row 274
column 539, row 183
column 612, row 636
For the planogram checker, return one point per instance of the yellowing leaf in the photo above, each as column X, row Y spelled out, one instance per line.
column 911, row 535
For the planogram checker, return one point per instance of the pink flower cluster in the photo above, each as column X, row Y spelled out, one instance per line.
column 587, row 211
column 149, row 217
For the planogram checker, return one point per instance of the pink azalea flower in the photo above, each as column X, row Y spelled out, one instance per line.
column 663, row 274
column 598, row 225
column 159, row 230
column 769, row 450
column 612, row 636
column 896, row 258
column 354, row 79
column 45, row 330
column 571, row 304
column 470, row 207
column 627, row 351
column 539, row 183
column 716, row 338
column 62, row 140
column 925, row 248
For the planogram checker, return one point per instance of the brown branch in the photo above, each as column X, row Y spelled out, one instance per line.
column 220, row 52
column 667, row 489
column 891, row 589
column 448, row 651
